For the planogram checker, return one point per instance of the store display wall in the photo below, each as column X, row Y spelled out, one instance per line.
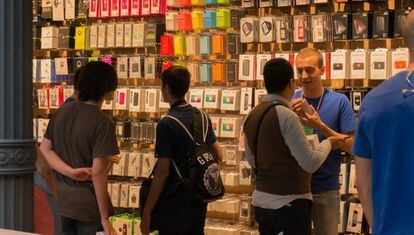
column 224, row 44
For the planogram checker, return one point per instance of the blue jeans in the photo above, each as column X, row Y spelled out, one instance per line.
column 77, row 227
column 292, row 219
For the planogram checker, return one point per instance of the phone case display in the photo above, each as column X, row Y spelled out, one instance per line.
column 343, row 179
column 230, row 126
column 233, row 44
column 284, row 3
column 230, row 100
column 232, row 71
column 184, row 21
column 321, row 31
column 196, row 98
column 361, row 25
column 171, row 21
column 205, row 45
column 219, row 43
column 320, row 1
column 246, row 100
column 399, row 60
column 301, row 28
column 236, row 15
column 197, row 19
column 218, row 72
column 267, row 29
column 266, row 3
column 339, row 64
column 205, row 72
column 341, row 25
column 179, row 45
column 248, row 3
column 246, row 67
column 223, row 18
column 210, row 19
column 283, row 29
column 381, row 24
column 212, row 98
column 259, row 94
column 358, row 63
column 399, row 21
column 137, row 100
column 379, row 64
column 245, row 173
column 152, row 100
column 49, row 38
column 66, row 38
column 261, row 60
column 167, row 48
column 249, row 32
column 192, row 45
column 355, row 217
column 302, row 2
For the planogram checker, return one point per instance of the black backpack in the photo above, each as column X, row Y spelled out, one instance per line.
column 204, row 167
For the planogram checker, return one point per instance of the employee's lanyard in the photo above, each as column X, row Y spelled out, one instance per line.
column 407, row 78
column 320, row 100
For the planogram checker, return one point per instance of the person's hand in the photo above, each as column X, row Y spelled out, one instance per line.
column 296, row 105
column 145, row 223
column 311, row 120
column 107, row 226
column 337, row 140
column 81, row 174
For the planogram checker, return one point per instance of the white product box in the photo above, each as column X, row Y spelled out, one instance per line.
column 343, row 179
column 93, row 9
column 399, row 60
column 94, row 35
column 110, row 35
column 216, row 124
column 45, row 70
column 115, row 8
column 135, row 8
column 352, row 180
column 119, row 38
column 196, row 97
column 300, row 28
column 259, row 94
column 249, row 32
column 58, row 10
column 261, row 60
column 149, row 71
column 116, row 194
column 232, row 206
column 137, row 100
column 134, row 196
column 122, row 67
column 124, row 196
column 70, row 12
column 355, row 217
column 148, row 163
column 43, row 123
column 146, row 7
column 67, row 92
column 230, row 127
column 230, row 100
column 128, row 35
column 152, row 100
column 339, row 65
column 125, row 7
column 108, row 105
column 138, row 32
column 105, row 8
column 358, row 64
column 232, row 179
column 134, row 164
column 246, row 67
column 135, row 67
column 121, row 168
column 54, row 95
column 102, row 35
column 49, row 38
column 61, row 66
column 212, row 98
column 122, row 99
column 379, row 64
column 246, row 100
column 171, row 21
column 267, row 29
column 245, row 173
column 231, row 154
column 285, row 56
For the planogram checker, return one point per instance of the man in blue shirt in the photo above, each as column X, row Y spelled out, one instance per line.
column 385, row 150
column 332, row 114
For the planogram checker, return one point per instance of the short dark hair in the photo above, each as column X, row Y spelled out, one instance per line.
column 95, row 80
column 76, row 78
column 277, row 75
column 178, row 80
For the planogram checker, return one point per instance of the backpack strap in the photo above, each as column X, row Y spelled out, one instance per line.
column 182, row 125
column 256, row 137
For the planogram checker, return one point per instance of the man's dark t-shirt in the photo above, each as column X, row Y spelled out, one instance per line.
column 173, row 142
column 80, row 132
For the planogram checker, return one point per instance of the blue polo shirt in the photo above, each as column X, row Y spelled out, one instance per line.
column 385, row 134
column 337, row 113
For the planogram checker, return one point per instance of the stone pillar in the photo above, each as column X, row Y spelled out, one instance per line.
column 17, row 152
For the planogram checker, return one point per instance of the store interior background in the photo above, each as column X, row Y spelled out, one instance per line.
column 224, row 44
